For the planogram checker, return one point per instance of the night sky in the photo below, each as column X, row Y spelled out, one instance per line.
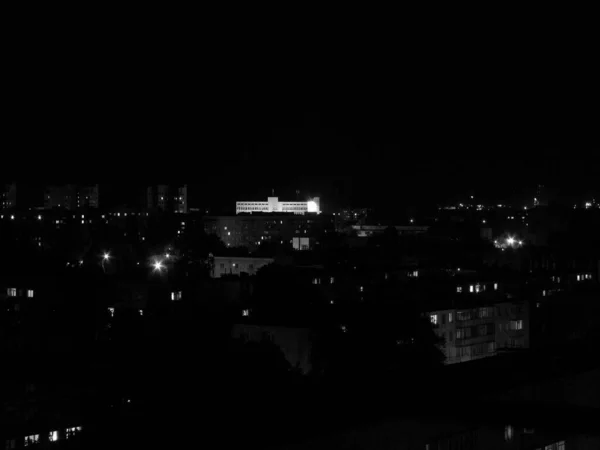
column 354, row 138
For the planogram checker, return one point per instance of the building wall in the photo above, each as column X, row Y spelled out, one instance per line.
column 480, row 332
column 252, row 230
column 167, row 198
column 226, row 265
column 71, row 197
column 9, row 196
column 274, row 205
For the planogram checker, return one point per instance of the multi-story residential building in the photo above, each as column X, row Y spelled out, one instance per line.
column 167, row 198
column 71, row 196
column 236, row 265
column 351, row 216
column 252, row 230
column 474, row 330
column 273, row 205
column 8, row 196
column 371, row 230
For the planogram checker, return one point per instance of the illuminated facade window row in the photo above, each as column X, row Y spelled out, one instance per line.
column 274, row 205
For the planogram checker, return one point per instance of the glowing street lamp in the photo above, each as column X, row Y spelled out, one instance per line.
column 158, row 266
column 510, row 240
column 105, row 258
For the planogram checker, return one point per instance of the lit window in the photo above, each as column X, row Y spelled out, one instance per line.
column 12, row 292
column 459, row 289
column 70, row 432
column 578, row 277
column 362, row 289
column 434, row 319
column 331, row 280
column 53, row 436
column 495, row 286
column 508, row 433
column 111, row 311
column 450, row 318
column 176, row 295
column 471, row 288
column 141, row 312
column 229, row 233
column 245, row 312
column 30, row 293
column 544, row 293
column 33, row 439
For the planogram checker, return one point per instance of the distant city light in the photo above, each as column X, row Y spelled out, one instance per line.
column 168, row 255
column 39, row 217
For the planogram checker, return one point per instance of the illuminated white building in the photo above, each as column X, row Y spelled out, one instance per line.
column 274, row 205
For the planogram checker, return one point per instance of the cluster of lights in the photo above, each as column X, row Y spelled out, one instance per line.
column 510, row 241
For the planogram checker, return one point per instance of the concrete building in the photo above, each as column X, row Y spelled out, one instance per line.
column 8, row 199
column 251, row 230
column 371, row 230
column 236, row 265
column 479, row 331
column 167, row 198
column 273, row 205
column 71, row 196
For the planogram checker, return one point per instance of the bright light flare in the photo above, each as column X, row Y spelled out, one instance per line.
column 106, row 256
column 510, row 241
column 312, row 206
column 158, row 266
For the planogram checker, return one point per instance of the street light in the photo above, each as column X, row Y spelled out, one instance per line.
column 105, row 257
column 510, row 241
column 158, row 266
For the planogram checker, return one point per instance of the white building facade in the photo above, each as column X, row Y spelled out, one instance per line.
column 274, row 205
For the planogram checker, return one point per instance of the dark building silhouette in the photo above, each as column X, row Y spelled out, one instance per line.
column 71, row 196
column 167, row 198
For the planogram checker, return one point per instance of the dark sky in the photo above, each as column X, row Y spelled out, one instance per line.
column 422, row 129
